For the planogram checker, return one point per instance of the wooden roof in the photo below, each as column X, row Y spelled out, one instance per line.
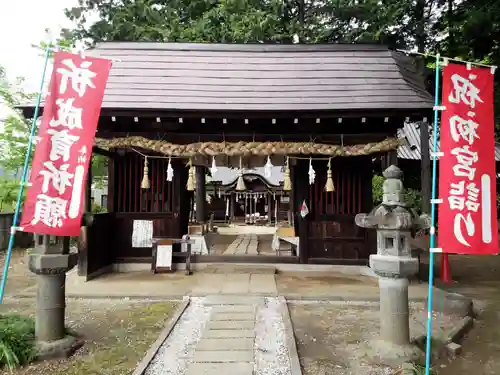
column 411, row 149
column 239, row 77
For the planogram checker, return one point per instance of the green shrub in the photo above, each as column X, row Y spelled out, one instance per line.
column 17, row 340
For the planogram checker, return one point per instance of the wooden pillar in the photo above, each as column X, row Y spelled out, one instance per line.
column 111, row 200
column 392, row 158
column 232, row 205
column 269, row 209
column 300, row 188
column 291, row 195
column 425, row 167
column 83, row 249
column 201, row 201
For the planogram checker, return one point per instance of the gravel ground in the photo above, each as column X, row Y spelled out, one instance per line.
column 272, row 356
column 333, row 337
column 175, row 353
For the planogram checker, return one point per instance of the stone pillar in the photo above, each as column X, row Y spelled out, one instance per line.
column 50, row 262
column 201, row 200
column 394, row 327
column 393, row 263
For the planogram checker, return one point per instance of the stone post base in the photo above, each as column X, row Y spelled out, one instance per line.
column 50, row 332
column 385, row 353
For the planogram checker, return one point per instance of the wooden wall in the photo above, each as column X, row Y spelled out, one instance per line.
column 165, row 203
column 328, row 232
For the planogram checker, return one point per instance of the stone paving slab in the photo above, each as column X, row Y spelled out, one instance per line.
column 233, row 316
column 242, row 368
column 241, row 343
column 231, row 324
column 234, row 300
column 214, row 356
column 233, row 309
column 228, row 333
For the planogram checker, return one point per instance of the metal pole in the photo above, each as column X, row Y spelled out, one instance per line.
column 433, row 223
column 23, row 179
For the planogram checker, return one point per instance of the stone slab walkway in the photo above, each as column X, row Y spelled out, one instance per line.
column 244, row 244
column 235, row 284
column 229, row 334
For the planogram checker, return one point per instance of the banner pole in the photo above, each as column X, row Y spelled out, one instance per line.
column 23, row 178
column 433, row 222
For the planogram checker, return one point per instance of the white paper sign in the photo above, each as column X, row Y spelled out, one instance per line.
column 142, row 234
column 164, row 256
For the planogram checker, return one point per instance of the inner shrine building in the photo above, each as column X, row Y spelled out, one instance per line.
column 320, row 114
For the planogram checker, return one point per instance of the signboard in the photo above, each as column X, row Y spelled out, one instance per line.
column 162, row 256
column 54, row 200
column 142, row 233
column 467, row 221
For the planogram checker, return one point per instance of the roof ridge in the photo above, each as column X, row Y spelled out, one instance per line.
column 240, row 47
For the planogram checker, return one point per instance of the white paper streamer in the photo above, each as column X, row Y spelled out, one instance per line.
column 268, row 168
column 170, row 171
column 311, row 173
column 213, row 168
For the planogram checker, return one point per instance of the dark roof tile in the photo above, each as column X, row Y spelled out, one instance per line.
column 223, row 77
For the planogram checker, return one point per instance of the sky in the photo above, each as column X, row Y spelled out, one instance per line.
column 23, row 23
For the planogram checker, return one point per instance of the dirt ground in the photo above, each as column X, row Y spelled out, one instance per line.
column 117, row 333
column 19, row 276
column 477, row 277
column 334, row 338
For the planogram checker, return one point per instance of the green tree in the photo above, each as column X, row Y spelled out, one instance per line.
column 14, row 140
column 224, row 21
column 471, row 31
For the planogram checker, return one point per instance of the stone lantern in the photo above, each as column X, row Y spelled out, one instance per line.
column 393, row 263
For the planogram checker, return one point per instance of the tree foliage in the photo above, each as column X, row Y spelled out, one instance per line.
column 13, row 141
column 225, row 21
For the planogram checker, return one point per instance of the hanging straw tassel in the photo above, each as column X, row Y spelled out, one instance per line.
column 145, row 184
column 240, row 185
column 287, row 183
column 191, row 177
column 329, row 187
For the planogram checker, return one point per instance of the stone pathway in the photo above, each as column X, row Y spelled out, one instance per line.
column 228, row 335
column 244, row 244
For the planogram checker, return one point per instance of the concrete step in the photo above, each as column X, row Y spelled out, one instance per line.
column 240, row 269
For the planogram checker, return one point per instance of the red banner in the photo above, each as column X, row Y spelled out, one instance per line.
column 54, row 202
column 467, row 221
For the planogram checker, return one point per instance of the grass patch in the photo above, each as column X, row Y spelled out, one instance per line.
column 17, row 340
column 125, row 337
column 117, row 336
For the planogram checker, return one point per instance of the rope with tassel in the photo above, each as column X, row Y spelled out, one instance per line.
column 329, row 187
column 249, row 148
column 145, row 184
column 287, row 183
column 190, row 185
